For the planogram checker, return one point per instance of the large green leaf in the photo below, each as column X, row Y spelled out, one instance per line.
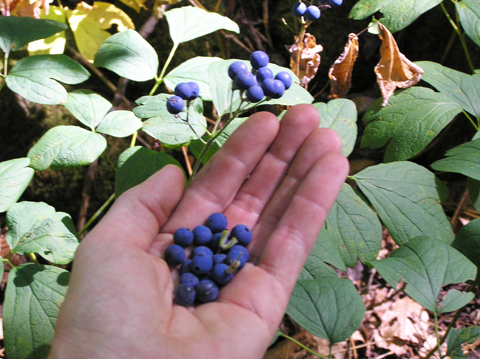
column 412, row 119
column 196, row 70
column 188, row 23
column 464, row 159
column 15, row 175
column 354, row 227
column 407, row 198
column 32, row 300
column 328, row 307
column 325, row 250
column 426, row 264
column 456, row 338
column 340, row 115
column 66, row 146
column 397, row 14
column 35, row 227
column 167, row 128
column 459, row 86
column 88, row 107
column 33, row 78
column 138, row 163
column 469, row 14
column 17, row 31
column 119, row 124
column 129, row 55
column 468, row 241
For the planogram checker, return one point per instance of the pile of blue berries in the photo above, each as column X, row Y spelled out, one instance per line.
column 185, row 91
column 313, row 12
column 216, row 256
column 260, row 82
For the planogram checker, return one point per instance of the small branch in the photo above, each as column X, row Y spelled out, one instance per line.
column 97, row 214
column 187, row 160
column 459, row 207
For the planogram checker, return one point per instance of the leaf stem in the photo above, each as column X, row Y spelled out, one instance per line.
column 302, row 346
column 471, row 120
column 159, row 79
column 33, row 258
column 7, row 260
column 435, row 318
column 97, row 214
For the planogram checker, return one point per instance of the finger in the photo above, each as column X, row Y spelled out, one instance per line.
column 137, row 215
column 297, row 124
column 320, row 142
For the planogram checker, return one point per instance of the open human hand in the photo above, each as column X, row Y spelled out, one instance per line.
column 279, row 178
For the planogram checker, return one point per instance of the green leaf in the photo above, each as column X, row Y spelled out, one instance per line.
column 412, row 119
column 458, row 86
column 325, row 250
column 138, row 163
column 32, row 300
column 196, row 70
column 454, row 300
column 17, row 31
column 467, row 241
column 354, row 228
column 66, row 146
column 35, row 227
column 188, row 23
column 425, row 264
column 457, row 337
column 167, row 128
column 469, row 15
column 129, row 55
column 15, row 175
column 330, row 307
column 33, row 78
column 407, row 198
column 474, row 192
column 340, row 115
column 120, row 124
column 397, row 14
column 464, row 159
column 88, row 107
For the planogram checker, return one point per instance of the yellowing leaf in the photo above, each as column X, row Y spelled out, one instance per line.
column 89, row 24
column 305, row 58
column 340, row 73
column 394, row 69
column 135, row 4
column 54, row 44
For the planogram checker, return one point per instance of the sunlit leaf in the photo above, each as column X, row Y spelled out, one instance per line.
column 135, row 4
column 15, row 175
column 88, row 107
column 340, row 72
column 54, row 44
column 119, row 124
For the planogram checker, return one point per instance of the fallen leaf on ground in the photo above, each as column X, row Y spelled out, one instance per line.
column 340, row 72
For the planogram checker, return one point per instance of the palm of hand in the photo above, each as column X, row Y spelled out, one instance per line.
column 120, row 302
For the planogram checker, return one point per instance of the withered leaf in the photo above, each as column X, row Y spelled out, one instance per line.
column 340, row 72
column 305, row 58
column 394, row 69
column 24, row 7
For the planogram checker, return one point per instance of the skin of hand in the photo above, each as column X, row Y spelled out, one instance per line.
column 279, row 178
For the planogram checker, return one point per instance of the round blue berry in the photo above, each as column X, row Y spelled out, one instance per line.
column 175, row 104
column 202, row 235
column 174, row 255
column 259, row 59
column 298, row 9
column 195, row 90
column 185, row 295
column 217, row 222
column 238, row 253
column 255, row 93
column 201, row 264
column 242, row 233
column 202, row 250
column 244, row 80
column 313, row 13
column 264, row 73
column 207, row 291
column 184, row 90
column 183, row 237
column 219, row 274
column 189, row 278
column 273, row 88
column 219, row 258
column 334, row 3
column 185, row 267
column 215, row 242
column 235, row 68
column 285, row 77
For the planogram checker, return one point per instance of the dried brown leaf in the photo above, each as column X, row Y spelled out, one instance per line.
column 305, row 58
column 340, row 72
column 394, row 69
column 25, row 7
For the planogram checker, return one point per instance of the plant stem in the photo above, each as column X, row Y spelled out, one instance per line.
column 435, row 318
column 95, row 216
column 477, row 128
column 33, row 258
column 352, row 178
column 303, row 346
column 159, row 80
column 7, row 260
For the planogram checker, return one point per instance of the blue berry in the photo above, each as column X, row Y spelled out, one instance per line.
column 174, row 255
column 189, row 278
column 202, row 251
column 235, row 68
column 220, row 275
column 185, row 294
column 242, row 233
column 185, row 267
column 202, row 264
column 264, row 73
column 217, row 222
column 195, row 90
column 238, row 253
column 219, row 258
column 184, row 90
column 207, row 291
column 299, row 9
column 285, row 78
column 244, row 80
column 259, row 59
column 313, row 13
column 183, row 237
column 215, row 242
column 175, row 104
column 255, row 94
column 273, row 88
column 334, row 3
column 202, row 235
